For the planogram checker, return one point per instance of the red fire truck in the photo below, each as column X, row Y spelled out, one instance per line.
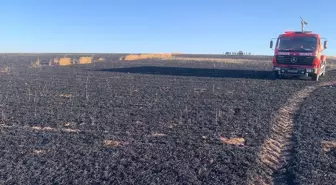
column 299, row 53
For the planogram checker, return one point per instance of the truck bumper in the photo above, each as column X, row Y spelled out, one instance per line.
column 294, row 71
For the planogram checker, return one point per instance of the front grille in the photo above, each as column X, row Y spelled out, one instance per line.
column 301, row 60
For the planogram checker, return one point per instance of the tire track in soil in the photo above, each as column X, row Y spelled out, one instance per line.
column 276, row 150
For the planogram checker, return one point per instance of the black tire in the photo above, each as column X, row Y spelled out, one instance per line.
column 315, row 77
column 276, row 75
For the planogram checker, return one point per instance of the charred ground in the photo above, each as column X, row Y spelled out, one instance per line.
column 145, row 122
column 314, row 159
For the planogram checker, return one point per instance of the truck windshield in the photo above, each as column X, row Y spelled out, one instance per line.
column 297, row 43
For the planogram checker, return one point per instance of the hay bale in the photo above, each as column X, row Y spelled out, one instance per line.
column 85, row 60
column 65, row 61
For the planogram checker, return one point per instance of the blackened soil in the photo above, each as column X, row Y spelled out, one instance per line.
column 315, row 125
column 166, row 116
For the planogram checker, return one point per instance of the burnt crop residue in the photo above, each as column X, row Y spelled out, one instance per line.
column 153, row 122
column 276, row 152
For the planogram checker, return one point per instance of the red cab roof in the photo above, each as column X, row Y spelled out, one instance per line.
column 299, row 33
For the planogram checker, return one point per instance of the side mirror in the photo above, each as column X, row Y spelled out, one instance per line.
column 271, row 44
column 325, row 44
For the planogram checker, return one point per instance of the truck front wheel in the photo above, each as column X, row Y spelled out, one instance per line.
column 276, row 75
column 315, row 77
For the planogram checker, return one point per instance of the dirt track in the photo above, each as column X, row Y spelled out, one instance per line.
column 156, row 122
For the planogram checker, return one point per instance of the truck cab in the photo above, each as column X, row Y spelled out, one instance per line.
column 299, row 53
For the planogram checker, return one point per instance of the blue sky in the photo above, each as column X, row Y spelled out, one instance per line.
column 198, row 26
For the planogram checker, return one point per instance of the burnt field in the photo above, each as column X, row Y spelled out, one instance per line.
column 160, row 122
column 315, row 154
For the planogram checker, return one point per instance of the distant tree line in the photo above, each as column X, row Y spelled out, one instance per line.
column 237, row 53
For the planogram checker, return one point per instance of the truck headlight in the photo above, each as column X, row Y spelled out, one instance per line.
column 277, row 68
column 309, row 70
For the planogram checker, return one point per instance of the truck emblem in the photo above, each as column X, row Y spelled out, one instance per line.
column 293, row 59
